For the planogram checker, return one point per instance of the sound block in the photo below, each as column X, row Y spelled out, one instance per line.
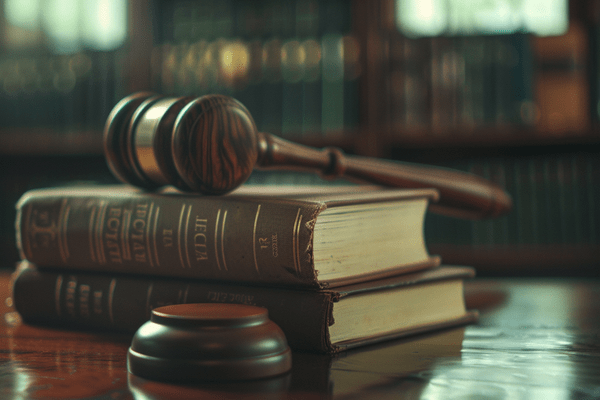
column 209, row 342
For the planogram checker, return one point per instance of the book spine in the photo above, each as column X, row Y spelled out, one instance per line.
column 122, row 304
column 179, row 236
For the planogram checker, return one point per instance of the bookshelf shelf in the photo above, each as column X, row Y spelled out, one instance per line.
column 523, row 144
column 347, row 141
column 492, row 137
column 47, row 141
column 520, row 260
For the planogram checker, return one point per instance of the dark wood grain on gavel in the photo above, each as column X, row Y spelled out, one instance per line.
column 213, row 144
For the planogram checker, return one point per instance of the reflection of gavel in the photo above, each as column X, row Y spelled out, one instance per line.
column 211, row 145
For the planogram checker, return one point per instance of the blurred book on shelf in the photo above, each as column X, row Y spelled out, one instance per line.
column 60, row 72
column 295, row 65
column 555, row 221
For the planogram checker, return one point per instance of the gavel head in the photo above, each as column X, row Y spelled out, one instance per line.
column 207, row 144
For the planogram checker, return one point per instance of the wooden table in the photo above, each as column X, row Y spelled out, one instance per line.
column 536, row 339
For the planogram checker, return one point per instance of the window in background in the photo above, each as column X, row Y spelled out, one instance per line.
column 459, row 17
column 66, row 26
column 60, row 66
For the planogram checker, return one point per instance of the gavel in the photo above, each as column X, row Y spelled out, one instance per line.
column 211, row 145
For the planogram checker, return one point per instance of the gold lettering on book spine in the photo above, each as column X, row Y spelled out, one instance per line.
column 70, row 294
column 98, row 296
column 254, row 237
column 113, row 227
column 125, row 234
column 200, row 239
column 98, row 232
column 43, row 230
column 140, row 233
column 84, row 300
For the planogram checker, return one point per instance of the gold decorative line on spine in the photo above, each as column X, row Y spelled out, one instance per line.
column 154, row 235
column 254, row 237
column 125, row 235
column 63, row 217
column 187, row 226
column 91, row 233
column 148, row 225
column 296, row 241
column 111, row 298
column 181, row 214
column 148, row 302
column 217, row 239
column 99, row 232
column 57, row 291
column 223, row 240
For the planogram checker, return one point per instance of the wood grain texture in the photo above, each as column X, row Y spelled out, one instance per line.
column 215, row 144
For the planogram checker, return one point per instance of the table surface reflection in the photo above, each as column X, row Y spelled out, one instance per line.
column 535, row 339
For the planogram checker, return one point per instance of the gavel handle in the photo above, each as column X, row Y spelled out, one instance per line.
column 462, row 194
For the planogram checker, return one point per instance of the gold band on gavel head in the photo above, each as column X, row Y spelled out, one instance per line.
column 145, row 140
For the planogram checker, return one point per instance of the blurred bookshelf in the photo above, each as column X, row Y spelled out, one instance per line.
column 509, row 90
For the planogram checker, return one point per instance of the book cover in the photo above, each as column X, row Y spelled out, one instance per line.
column 325, row 321
column 294, row 235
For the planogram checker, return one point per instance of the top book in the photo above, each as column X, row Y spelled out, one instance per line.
column 302, row 236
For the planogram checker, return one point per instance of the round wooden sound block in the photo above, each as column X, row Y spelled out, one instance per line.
column 209, row 342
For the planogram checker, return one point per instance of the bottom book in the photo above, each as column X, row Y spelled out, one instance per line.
column 325, row 321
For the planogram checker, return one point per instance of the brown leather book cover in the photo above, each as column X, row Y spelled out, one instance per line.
column 261, row 234
column 307, row 317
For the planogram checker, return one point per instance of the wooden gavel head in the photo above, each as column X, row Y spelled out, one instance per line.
column 207, row 144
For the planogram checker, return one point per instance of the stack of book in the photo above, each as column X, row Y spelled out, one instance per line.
column 336, row 267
